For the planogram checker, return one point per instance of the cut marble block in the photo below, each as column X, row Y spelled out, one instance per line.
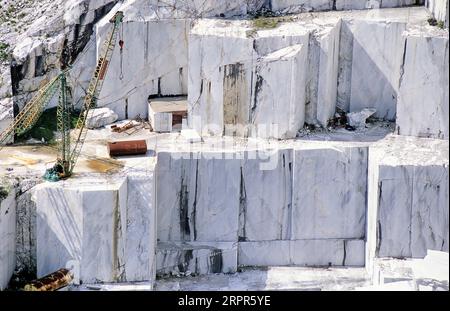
column 407, row 197
column 95, row 227
column 376, row 64
column 265, row 204
column 216, row 59
column 329, row 192
column 278, row 109
column 196, row 257
column 328, row 73
column 264, row 253
column 140, row 233
column 423, row 106
column 7, row 238
column 314, row 252
column 197, row 196
column 161, row 112
column 230, row 89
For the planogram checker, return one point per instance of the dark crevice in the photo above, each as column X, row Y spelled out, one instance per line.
column 242, row 209
column 194, row 206
column 345, row 253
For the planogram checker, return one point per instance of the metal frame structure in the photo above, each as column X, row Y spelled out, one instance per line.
column 30, row 114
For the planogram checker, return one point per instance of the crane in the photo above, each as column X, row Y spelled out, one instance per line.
column 68, row 153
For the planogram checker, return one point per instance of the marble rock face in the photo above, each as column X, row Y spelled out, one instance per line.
column 329, row 193
column 197, row 197
column 328, row 41
column 196, row 258
column 278, row 109
column 7, row 238
column 99, row 117
column 376, row 62
column 316, row 252
column 407, row 198
column 423, row 106
column 234, row 84
column 265, row 199
column 439, row 9
column 100, row 229
column 6, row 116
column 154, row 65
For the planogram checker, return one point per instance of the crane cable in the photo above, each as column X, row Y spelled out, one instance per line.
column 121, row 43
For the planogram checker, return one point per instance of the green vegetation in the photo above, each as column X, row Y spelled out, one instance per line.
column 46, row 127
column 4, row 191
column 4, row 55
column 266, row 22
column 440, row 24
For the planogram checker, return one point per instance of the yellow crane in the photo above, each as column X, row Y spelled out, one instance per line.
column 29, row 115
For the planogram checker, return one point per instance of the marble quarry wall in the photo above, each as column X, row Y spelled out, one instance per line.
column 7, row 235
column 274, row 217
column 408, row 195
column 291, row 6
column 108, row 241
column 233, row 91
column 424, row 86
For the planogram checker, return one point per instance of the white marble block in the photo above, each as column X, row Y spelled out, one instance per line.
column 423, row 106
column 278, row 108
column 197, row 197
column 376, row 66
column 265, row 203
column 7, row 237
column 140, row 233
column 328, row 73
column 196, row 257
column 234, row 79
column 95, row 227
column 407, row 198
column 329, row 192
column 219, row 76
column 161, row 110
column 310, row 252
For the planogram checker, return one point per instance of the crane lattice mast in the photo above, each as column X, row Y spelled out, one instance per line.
column 29, row 115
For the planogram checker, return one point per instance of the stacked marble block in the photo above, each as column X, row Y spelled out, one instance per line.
column 7, row 238
column 258, row 83
column 423, row 103
column 306, row 206
column 102, row 228
column 408, row 198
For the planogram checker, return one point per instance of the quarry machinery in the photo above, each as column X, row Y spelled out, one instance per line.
column 68, row 153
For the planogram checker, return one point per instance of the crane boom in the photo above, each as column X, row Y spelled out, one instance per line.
column 66, row 163
column 30, row 114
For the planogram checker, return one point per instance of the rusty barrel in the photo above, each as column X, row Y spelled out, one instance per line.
column 131, row 147
column 51, row 282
